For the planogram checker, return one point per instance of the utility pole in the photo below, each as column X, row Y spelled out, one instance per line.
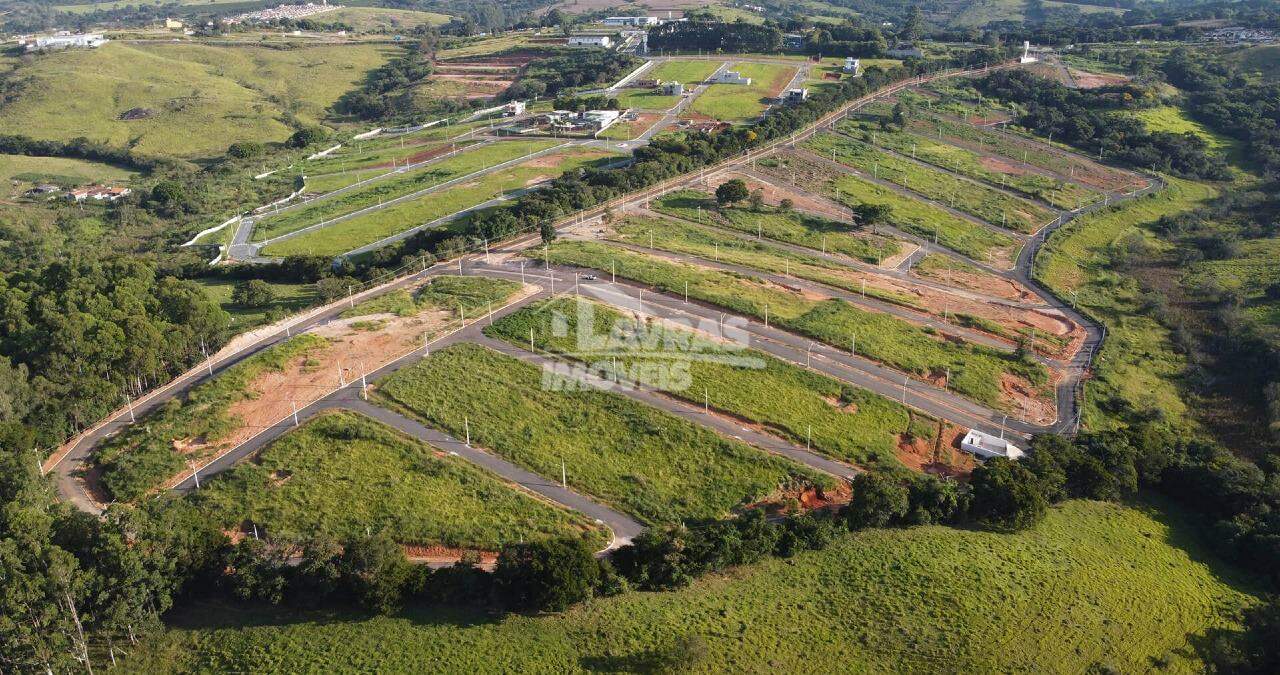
column 294, row 407
column 364, row 383
column 904, row 390
column 564, row 475
column 466, row 424
column 207, row 364
column 706, row 401
column 853, row 344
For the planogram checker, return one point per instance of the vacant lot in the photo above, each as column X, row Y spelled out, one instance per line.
column 986, row 375
column 652, row 465
column 1009, row 175
column 367, row 19
column 843, row 422
column 398, row 185
column 909, row 215
column 1095, row 583
column 341, row 474
column 646, row 99
column 59, row 171
column 788, row 226
column 975, row 199
column 689, row 72
column 371, row 227
column 743, row 103
column 286, row 299
column 199, row 98
column 1175, row 120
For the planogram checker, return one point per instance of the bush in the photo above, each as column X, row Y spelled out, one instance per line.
column 1007, row 494
column 546, row 576
column 308, row 136
column 878, row 501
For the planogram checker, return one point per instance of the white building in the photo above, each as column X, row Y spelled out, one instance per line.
column 671, row 88
column 66, row 41
column 795, row 95
column 514, row 108
column 730, row 77
column 638, row 21
column 98, row 193
column 602, row 41
column 987, row 446
column 852, row 66
column 1026, row 53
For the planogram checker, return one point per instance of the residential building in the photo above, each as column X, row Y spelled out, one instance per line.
column 795, row 95
column 637, row 21
column 601, row 41
column 905, row 51
column 671, row 88
column 852, row 66
column 730, row 77
column 173, row 24
column 98, row 193
column 793, row 41
column 514, row 108
column 987, row 446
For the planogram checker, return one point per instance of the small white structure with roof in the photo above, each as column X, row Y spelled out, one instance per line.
column 852, row 66
column 1026, row 53
column 730, row 77
column 987, row 446
column 601, row 41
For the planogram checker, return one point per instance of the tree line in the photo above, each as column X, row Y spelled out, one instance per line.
column 711, row 36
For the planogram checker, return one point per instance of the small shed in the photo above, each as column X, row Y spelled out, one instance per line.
column 986, row 446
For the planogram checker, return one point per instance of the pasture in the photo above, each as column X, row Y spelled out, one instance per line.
column 743, row 103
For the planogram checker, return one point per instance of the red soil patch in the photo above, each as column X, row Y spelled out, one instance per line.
column 1003, row 166
column 941, row 456
column 416, row 157
column 441, row 556
column 1087, row 80
column 1027, row 404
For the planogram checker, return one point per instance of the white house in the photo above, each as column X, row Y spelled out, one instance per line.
column 638, row 21
column 514, row 108
column 795, row 95
column 987, row 446
column 1026, row 53
column 602, row 41
column 730, row 77
column 98, row 193
column 671, row 88
column 66, row 41
column 852, row 66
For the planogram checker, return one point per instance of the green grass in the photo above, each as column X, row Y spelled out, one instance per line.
column 60, row 171
column 909, row 215
column 975, row 199
column 645, row 99
column 1139, row 366
column 342, row 472
column 627, row 130
column 680, row 237
column 289, row 298
column 449, row 292
column 862, row 428
column 1175, row 120
column 792, row 227
column 965, row 162
column 691, row 72
column 741, row 103
column 1095, row 583
column 142, row 456
column 650, row 464
column 398, row 185
column 205, row 97
column 371, row 227
column 364, row 19
column 975, row 370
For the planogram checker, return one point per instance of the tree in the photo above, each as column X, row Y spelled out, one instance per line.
column 548, row 232
column 546, row 576
column 1007, row 494
column 786, row 204
column 872, row 214
column 877, row 501
column 1251, row 651
column 731, row 192
column 169, row 198
column 756, row 199
column 913, row 26
column 308, row 136
column 375, row 570
column 245, row 149
column 253, row 293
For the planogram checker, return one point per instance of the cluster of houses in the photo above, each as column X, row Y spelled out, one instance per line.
column 62, row 40
column 282, row 12
column 97, row 193
column 564, row 122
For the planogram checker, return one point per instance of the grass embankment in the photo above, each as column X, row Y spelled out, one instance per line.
column 1027, row 150
column 356, row 155
column 398, row 185
column 791, row 227
column 467, row 294
column 846, row 423
column 1249, row 274
column 342, row 473
column 143, row 455
column 679, row 237
column 61, row 171
column 975, row 370
column 1138, row 366
column 909, row 215
column 286, row 299
column 1174, row 120
column 1094, row 584
column 201, row 97
column 655, row 466
column 372, row 227
column 1055, row 191
column 743, row 103
column 975, row 199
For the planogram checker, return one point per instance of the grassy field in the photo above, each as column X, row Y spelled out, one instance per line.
column 1175, row 120
column 975, row 199
column 648, row 463
column 627, row 130
column 909, row 215
column 975, row 370
column 60, row 171
column 1095, row 583
column 743, row 103
column 398, row 185
column 646, row 99
column 289, row 298
column 380, row 150
column 681, row 237
column 966, row 162
column 371, row 227
column 690, row 72
column 469, row 294
column 120, row 4
column 203, row 97
column 142, row 456
column 365, row 19
column 341, row 473
column 845, row 423
column 791, row 227
column 1139, row 365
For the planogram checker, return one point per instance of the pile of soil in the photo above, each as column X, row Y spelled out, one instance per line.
column 137, row 114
